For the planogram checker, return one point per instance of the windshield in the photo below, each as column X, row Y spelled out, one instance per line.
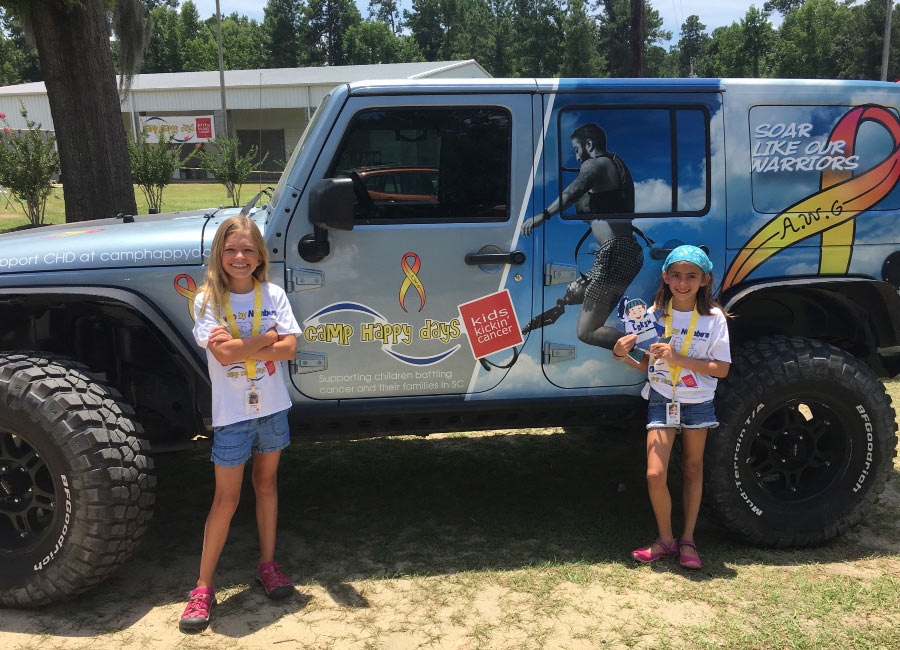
column 297, row 149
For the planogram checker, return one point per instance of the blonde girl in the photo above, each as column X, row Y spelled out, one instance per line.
column 247, row 327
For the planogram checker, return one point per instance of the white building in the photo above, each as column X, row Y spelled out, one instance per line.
column 267, row 108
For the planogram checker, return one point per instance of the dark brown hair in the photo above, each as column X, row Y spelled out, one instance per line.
column 705, row 300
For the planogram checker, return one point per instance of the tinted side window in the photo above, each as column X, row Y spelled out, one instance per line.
column 444, row 164
column 655, row 160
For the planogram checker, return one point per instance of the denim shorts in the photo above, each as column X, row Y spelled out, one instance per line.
column 233, row 443
column 693, row 416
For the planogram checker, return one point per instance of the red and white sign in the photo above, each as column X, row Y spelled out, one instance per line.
column 182, row 128
column 491, row 323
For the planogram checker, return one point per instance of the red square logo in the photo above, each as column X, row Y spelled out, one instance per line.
column 689, row 381
column 491, row 323
column 204, row 127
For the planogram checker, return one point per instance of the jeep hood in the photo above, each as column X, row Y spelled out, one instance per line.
column 174, row 239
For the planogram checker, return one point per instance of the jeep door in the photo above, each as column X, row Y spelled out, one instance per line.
column 436, row 179
column 671, row 145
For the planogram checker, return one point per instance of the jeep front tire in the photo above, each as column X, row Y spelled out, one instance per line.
column 76, row 488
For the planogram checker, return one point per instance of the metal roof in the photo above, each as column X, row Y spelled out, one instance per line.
column 274, row 77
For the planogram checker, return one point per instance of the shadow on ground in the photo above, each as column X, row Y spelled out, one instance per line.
column 380, row 508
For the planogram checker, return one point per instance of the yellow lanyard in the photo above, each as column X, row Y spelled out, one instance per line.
column 675, row 371
column 257, row 322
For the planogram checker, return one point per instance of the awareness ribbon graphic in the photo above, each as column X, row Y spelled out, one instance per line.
column 832, row 210
column 412, row 280
column 188, row 291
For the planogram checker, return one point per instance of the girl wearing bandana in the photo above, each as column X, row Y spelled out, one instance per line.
column 682, row 370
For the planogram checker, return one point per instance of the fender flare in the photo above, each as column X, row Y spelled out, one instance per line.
column 135, row 302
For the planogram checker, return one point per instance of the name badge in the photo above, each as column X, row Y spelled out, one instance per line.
column 252, row 401
column 673, row 413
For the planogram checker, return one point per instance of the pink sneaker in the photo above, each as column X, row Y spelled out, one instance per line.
column 645, row 554
column 196, row 615
column 276, row 584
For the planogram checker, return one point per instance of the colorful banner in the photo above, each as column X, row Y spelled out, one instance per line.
column 832, row 210
column 182, row 128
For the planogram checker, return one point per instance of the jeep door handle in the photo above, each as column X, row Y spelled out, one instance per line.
column 479, row 259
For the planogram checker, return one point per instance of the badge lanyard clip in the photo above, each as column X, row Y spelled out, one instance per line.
column 675, row 371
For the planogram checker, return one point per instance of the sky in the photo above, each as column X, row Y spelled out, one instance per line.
column 713, row 13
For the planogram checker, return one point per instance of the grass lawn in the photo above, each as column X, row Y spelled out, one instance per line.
column 176, row 197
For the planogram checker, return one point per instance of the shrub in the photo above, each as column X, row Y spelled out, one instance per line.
column 227, row 166
column 27, row 165
column 153, row 165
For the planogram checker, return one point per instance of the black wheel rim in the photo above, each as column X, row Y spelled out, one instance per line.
column 799, row 450
column 27, row 499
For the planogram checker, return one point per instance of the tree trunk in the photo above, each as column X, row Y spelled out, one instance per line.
column 73, row 46
column 637, row 38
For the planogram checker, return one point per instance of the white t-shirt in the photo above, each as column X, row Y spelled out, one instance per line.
column 229, row 382
column 710, row 342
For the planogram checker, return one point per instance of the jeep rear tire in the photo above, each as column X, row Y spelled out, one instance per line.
column 805, row 443
column 76, row 488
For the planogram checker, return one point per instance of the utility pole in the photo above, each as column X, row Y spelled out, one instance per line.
column 637, row 38
column 221, row 70
column 886, row 50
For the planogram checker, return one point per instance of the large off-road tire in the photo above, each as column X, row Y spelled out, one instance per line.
column 805, row 445
column 76, row 488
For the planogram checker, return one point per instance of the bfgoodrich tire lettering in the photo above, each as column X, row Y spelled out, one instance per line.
column 76, row 489
column 805, row 442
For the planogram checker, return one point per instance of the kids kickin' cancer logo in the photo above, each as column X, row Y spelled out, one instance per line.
column 491, row 323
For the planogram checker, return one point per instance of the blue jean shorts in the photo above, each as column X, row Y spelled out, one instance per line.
column 234, row 443
column 693, row 416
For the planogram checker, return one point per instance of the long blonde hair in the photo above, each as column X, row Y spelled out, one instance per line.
column 216, row 285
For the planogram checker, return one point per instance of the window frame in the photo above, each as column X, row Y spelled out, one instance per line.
column 673, row 142
column 348, row 132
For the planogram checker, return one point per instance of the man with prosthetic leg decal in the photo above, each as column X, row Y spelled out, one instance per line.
column 603, row 186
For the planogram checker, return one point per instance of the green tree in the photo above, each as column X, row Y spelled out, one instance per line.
column 281, row 28
column 228, row 166
column 862, row 56
column 163, row 53
column 374, row 42
column 153, row 165
column 428, row 21
column 387, row 12
column 812, row 41
column 692, row 46
column 784, row 7
column 27, row 165
column 538, row 31
column 615, row 28
column 580, row 37
column 327, row 24
column 73, row 44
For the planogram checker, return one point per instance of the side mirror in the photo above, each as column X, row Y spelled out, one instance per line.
column 331, row 204
column 330, row 208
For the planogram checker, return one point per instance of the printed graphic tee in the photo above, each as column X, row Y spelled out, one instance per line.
column 710, row 342
column 229, row 382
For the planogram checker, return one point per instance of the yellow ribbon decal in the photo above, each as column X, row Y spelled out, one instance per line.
column 412, row 280
column 257, row 322
column 189, row 290
column 832, row 210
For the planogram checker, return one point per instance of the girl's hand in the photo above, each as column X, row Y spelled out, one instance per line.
column 220, row 334
column 624, row 345
column 663, row 351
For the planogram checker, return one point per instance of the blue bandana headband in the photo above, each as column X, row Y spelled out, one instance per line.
column 690, row 254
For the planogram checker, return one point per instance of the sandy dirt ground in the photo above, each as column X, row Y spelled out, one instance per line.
column 563, row 606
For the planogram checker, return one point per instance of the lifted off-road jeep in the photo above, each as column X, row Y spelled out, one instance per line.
column 460, row 304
